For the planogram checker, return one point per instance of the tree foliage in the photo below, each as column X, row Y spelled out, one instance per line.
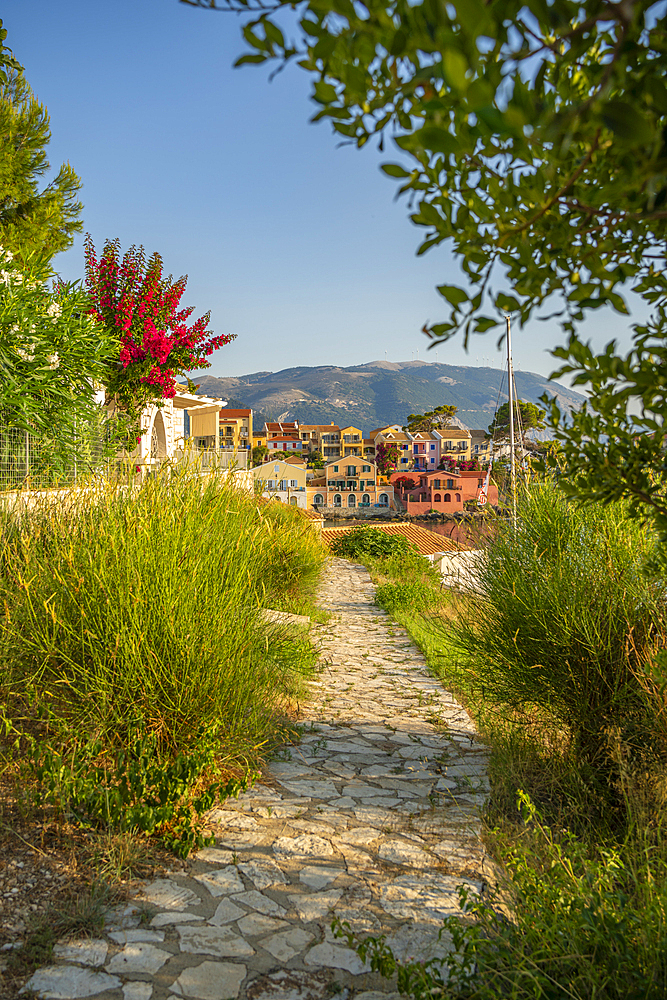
column 532, row 140
column 610, row 451
column 531, row 135
column 52, row 356
column 259, row 453
column 36, row 221
column 439, row 417
column 527, row 415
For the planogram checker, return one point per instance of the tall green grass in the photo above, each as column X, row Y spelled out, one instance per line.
column 568, row 626
column 559, row 656
column 131, row 622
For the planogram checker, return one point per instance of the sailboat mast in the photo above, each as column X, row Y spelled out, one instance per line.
column 510, row 388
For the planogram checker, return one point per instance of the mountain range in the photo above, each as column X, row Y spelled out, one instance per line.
column 379, row 393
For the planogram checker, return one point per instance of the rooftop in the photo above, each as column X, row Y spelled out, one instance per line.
column 427, row 542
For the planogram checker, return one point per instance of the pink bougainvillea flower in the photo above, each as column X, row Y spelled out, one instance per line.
column 157, row 347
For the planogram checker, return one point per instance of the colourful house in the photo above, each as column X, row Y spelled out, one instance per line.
column 283, row 436
column 324, row 438
column 350, row 482
column 282, row 480
column 351, row 439
column 236, row 429
column 442, row 491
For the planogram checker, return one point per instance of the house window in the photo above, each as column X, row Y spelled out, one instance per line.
column 404, row 447
column 450, row 484
column 293, row 483
column 436, row 484
column 351, row 500
column 437, row 498
column 432, row 447
column 335, row 468
column 337, row 500
column 318, row 499
column 365, row 498
column 480, row 482
column 458, row 498
column 448, row 498
column 383, row 498
column 477, row 447
column 366, row 468
column 351, row 470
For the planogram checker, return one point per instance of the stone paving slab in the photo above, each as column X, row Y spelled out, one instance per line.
column 372, row 818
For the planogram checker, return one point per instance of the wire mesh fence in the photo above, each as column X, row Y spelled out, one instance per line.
column 34, row 462
column 30, row 461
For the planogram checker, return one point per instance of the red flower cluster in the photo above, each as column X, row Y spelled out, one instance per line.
column 450, row 465
column 157, row 346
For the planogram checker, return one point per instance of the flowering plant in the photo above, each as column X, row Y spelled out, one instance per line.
column 51, row 353
column 386, row 458
column 132, row 298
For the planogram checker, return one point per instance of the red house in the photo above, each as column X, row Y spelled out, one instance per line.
column 441, row 491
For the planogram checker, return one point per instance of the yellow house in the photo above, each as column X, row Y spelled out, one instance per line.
column 455, row 442
column 324, row 438
column 351, row 442
column 236, row 429
column 282, row 481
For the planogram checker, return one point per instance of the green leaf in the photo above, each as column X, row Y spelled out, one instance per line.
column 626, row 122
column 436, row 140
column 484, row 323
column 507, row 302
column 454, row 295
column 273, row 33
column 324, row 93
column 398, row 43
column 394, row 170
column 456, row 66
column 250, row 58
column 428, row 213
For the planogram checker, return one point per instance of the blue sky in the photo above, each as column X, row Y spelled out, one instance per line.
column 294, row 243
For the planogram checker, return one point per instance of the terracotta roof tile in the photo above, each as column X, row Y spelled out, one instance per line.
column 427, row 542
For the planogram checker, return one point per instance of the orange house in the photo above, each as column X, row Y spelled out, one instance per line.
column 442, row 491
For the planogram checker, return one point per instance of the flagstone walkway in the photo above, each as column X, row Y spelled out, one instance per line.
column 372, row 818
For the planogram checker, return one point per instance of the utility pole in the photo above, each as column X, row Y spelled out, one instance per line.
column 510, row 387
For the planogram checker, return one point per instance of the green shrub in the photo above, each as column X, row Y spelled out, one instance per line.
column 363, row 542
column 131, row 623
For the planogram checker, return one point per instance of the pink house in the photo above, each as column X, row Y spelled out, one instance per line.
column 441, row 491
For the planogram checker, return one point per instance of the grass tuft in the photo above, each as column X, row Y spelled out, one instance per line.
column 136, row 669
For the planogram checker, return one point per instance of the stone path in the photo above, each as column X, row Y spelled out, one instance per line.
column 372, row 818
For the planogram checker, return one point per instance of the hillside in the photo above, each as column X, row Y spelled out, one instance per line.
column 378, row 393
